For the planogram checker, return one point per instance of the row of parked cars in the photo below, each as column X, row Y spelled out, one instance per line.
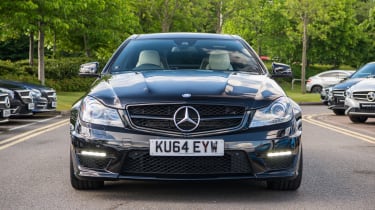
column 24, row 99
column 352, row 95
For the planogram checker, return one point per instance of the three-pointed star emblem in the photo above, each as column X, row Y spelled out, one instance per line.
column 186, row 118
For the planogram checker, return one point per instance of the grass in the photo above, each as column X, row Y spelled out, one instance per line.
column 303, row 98
column 296, row 94
column 66, row 99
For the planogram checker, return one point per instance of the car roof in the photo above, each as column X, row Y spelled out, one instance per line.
column 186, row 35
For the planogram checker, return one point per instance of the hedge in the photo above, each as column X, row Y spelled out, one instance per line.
column 60, row 74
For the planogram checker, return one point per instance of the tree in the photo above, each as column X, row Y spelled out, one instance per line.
column 18, row 19
column 265, row 25
column 96, row 28
column 335, row 33
column 304, row 12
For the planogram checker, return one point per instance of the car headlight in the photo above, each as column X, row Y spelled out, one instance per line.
column 330, row 93
column 36, row 93
column 93, row 111
column 279, row 111
column 349, row 93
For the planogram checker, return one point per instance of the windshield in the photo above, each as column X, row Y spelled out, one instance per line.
column 180, row 54
column 367, row 70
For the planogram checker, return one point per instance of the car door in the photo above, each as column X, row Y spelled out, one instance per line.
column 329, row 78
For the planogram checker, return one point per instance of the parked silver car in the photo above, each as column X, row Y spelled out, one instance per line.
column 360, row 101
column 317, row 83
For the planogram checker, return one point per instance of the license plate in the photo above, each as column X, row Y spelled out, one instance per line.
column 6, row 112
column 54, row 104
column 186, row 147
column 31, row 106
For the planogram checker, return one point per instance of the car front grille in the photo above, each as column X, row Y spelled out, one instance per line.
column 361, row 96
column 338, row 98
column 41, row 105
column 365, row 110
column 25, row 96
column 160, row 118
column 141, row 163
column 339, row 93
column 4, row 101
column 51, row 95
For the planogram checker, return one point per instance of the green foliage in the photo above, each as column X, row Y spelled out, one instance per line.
column 61, row 74
column 340, row 31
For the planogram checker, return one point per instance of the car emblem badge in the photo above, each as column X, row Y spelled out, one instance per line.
column 186, row 118
column 371, row 96
column 186, row 95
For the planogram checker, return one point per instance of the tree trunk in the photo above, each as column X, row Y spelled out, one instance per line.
column 165, row 26
column 219, row 18
column 41, row 54
column 54, row 44
column 31, row 49
column 86, row 47
column 304, row 53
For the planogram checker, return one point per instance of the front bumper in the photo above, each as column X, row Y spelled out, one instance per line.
column 4, row 115
column 19, row 108
column 336, row 103
column 359, row 108
column 127, row 157
column 44, row 105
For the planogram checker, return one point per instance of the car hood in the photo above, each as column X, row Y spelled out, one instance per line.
column 347, row 84
column 24, row 85
column 11, row 86
column 364, row 85
column 181, row 86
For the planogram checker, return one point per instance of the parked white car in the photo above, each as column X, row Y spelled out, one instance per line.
column 317, row 83
column 360, row 101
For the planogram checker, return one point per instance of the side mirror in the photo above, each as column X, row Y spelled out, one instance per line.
column 281, row 70
column 89, row 69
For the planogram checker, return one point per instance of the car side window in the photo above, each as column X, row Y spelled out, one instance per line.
column 329, row 74
column 342, row 75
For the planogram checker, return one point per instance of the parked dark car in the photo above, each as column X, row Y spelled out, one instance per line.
column 337, row 98
column 21, row 100
column 44, row 98
column 4, row 106
column 186, row 106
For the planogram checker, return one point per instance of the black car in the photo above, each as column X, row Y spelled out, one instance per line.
column 21, row 99
column 337, row 93
column 4, row 106
column 185, row 106
column 44, row 98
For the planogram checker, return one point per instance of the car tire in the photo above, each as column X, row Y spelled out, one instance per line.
column 339, row 112
column 83, row 184
column 316, row 89
column 290, row 185
column 358, row 119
